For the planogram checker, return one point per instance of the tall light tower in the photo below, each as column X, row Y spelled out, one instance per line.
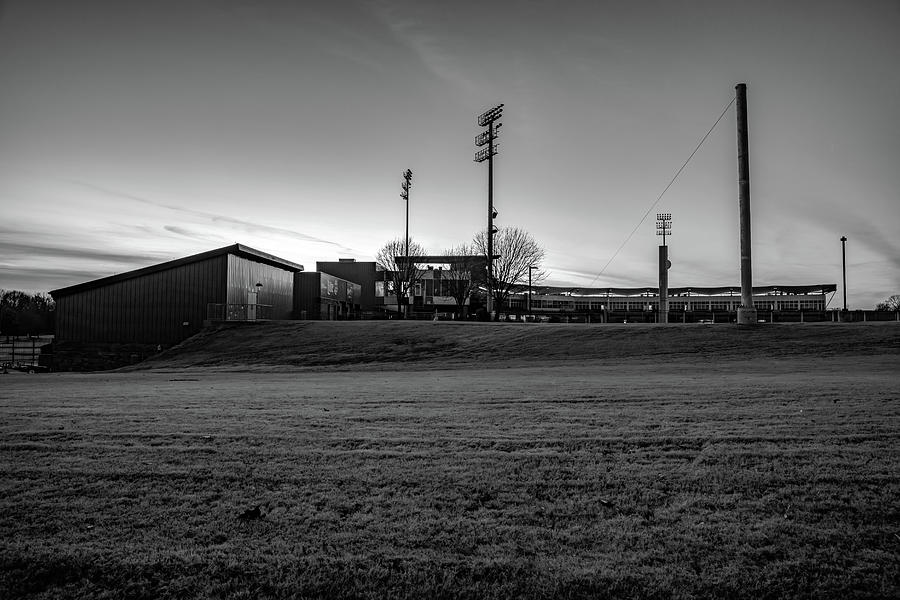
column 488, row 119
column 404, row 193
column 844, row 267
column 746, row 313
column 664, row 228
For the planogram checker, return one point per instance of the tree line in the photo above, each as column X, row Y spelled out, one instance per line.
column 892, row 304
column 515, row 250
column 26, row 314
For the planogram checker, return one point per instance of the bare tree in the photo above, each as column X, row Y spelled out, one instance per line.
column 517, row 251
column 465, row 272
column 403, row 274
column 891, row 304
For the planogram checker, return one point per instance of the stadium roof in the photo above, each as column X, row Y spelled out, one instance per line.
column 822, row 288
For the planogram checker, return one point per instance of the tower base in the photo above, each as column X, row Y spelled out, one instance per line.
column 746, row 316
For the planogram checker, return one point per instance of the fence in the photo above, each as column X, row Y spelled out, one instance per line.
column 23, row 350
column 238, row 312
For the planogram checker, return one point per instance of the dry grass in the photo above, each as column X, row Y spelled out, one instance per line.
column 443, row 344
column 773, row 476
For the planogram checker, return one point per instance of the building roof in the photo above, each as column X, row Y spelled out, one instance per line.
column 821, row 288
column 236, row 249
column 473, row 260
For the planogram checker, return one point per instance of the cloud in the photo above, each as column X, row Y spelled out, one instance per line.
column 65, row 252
column 429, row 48
column 247, row 226
column 44, row 279
column 194, row 235
column 592, row 279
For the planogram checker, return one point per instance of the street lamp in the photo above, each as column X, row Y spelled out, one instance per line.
column 486, row 138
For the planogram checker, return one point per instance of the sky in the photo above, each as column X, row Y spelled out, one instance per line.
column 137, row 132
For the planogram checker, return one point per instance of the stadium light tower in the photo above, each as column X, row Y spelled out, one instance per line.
column 844, row 267
column 486, row 138
column 664, row 228
column 404, row 193
column 746, row 313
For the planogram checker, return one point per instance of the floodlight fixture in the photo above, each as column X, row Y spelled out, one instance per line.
column 483, row 154
column 490, row 115
column 494, row 213
column 664, row 225
column 485, row 137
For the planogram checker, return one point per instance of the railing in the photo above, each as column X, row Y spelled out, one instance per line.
column 22, row 349
column 238, row 312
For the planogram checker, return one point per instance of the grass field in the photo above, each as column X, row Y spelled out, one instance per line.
column 683, row 462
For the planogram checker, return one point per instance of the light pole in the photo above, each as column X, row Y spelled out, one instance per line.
column 664, row 228
column 530, row 268
column 404, row 193
column 844, row 266
column 488, row 119
column 746, row 313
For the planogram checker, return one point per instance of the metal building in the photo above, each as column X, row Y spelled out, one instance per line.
column 362, row 273
column 165, row 303
column 320, row 296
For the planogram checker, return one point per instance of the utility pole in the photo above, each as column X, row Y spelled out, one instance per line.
column 844, row 269
column 746, row 313
column 664, row 228
column 487, row 119
column 407, row 179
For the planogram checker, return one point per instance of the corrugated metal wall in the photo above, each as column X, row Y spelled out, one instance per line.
column 306, row 295
column 148, row 309
column 277, row 285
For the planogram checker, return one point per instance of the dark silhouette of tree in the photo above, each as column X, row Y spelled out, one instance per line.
column 26, row 314
column 891, row 304
column 403, row 275
column 517, row 251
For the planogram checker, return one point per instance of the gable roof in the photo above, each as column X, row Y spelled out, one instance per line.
column 236, row 249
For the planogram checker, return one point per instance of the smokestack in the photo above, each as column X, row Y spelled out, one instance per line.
column 746, row 314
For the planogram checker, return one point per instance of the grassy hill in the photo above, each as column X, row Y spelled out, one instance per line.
column 449, row 460
column 416, row 344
